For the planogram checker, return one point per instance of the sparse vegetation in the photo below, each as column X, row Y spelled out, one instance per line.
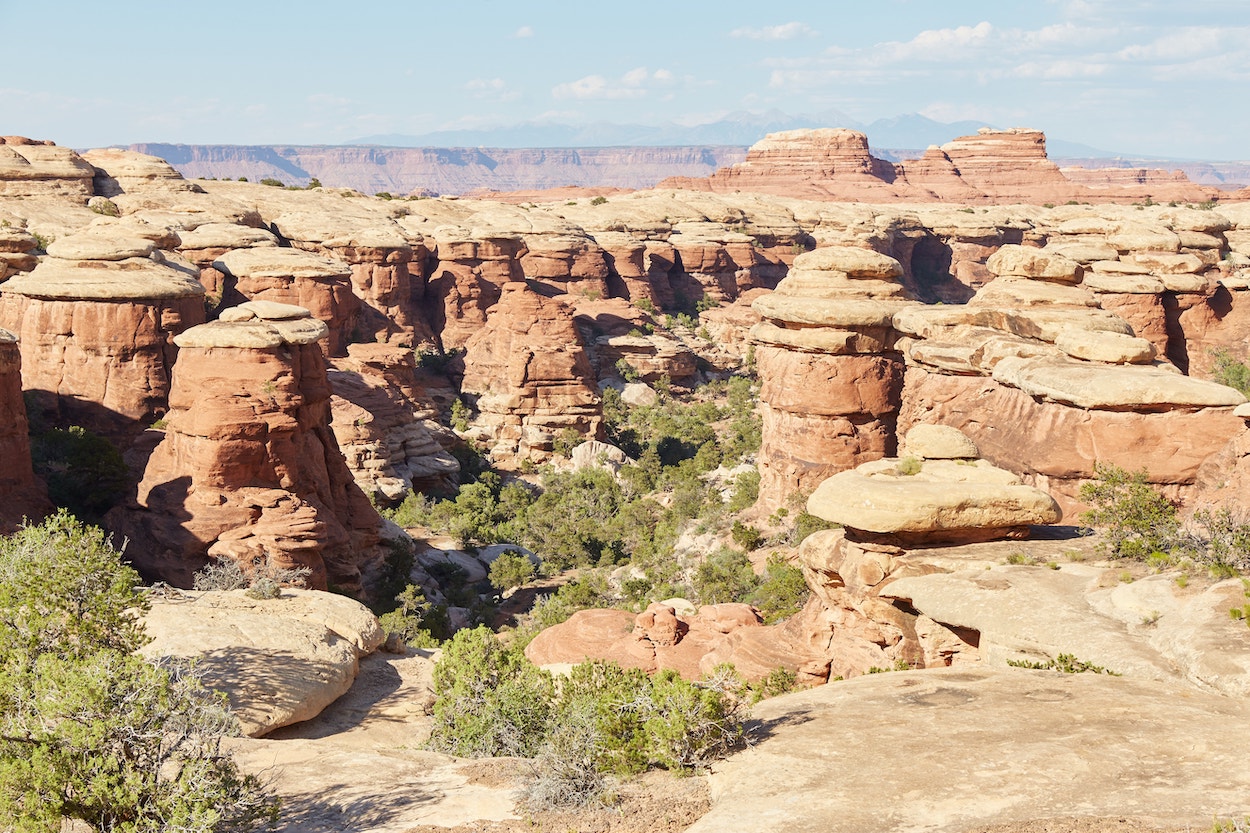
column 600, row 200
column 273, row 183
column 1064, row 663
column 84, row 472
column 92, row 731
column 1229, row 371
column 601, row 720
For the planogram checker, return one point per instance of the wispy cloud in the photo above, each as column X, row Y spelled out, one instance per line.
column 784, row 31
column 637, row 83
column 524, row 32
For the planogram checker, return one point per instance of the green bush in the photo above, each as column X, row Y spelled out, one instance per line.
column 746, row 536
column 91, row 730
column 1135, row 520
column 272, row 183
column 782, row 593
column 510, row 569
column 490, row 700
column 724, row 576
column 1229, row 371
column 598, row 200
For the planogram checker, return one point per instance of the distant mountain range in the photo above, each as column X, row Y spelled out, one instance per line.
column 911, row 132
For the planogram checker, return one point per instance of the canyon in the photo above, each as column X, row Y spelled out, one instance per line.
column 947, row 348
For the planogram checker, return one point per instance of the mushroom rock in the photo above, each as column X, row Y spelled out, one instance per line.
column 290, row 276
column 249, row 468
column 96, row 335
column 389, row 438
column 30, row 168
column 830, row 378
column 207, row 242
column 530, row 373
column 21, row 494
column 17, row 251
column 467, row 280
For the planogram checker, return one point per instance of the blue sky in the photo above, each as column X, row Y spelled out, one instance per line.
column 1158, row 78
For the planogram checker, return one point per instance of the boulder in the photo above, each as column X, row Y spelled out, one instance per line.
column 279, row 661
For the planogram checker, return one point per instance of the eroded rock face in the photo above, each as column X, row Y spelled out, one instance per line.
column 290, row 276
column 388, row 437
column 30, row 168
column 531, row 376
column 97, row 335
column 830, row 379
column 21, row 495
column 249, row 469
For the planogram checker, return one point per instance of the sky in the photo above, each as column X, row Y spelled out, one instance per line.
column 1167, row 79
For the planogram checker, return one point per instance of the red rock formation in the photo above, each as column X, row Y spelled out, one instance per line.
column 21, row 495
column 388, row 436
column 96, row 335
column 994, row 166
column 530, row 374
column 249, row 469
column 830, row 379
column 303, row 279
column 467, row 282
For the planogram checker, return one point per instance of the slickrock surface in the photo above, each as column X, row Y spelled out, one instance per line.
column 30, row 168
column 966, row 749
column 531, row 375
column 280, row 661
column 248, row 468
column 21, row 495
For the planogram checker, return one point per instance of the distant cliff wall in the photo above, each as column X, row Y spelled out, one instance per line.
column 446, row 170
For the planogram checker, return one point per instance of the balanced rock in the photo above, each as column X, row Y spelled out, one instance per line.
column 938, row 499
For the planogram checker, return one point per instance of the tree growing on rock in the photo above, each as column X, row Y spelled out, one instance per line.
column 89, row 730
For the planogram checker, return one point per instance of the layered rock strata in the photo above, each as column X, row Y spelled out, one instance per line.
column 21, row 494
column 390, row 440
column 530, row 376
column 30, row 168
column 994, row 166
column 940, row 492
column 96, row 320
column 830, row 378
column 249, row 469
column 290, row 276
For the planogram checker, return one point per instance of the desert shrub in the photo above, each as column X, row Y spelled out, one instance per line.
column 84, row 472
column 598, row 200
column 909, row 466
column 746, row 536
column 1064, row 663
column 724, row 576
column 263, row 579
column 510, row 569
column 411, row 618
column 779, row 681
column 91, row 730
column 1220, row 541
column 1135, row 520
column 567, row 440
column 104, row 206
column 490, row 700
column 1229, row 371
column 805, row 524
column 746, row 490
column 782, row 592
column 690, row 726
column 273, row 183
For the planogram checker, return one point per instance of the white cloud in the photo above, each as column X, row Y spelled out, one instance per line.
column 636, row 83
column 785, row 31
column 485, row 84
column 524, row 32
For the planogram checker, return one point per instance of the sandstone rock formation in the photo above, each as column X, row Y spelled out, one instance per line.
column 661, row 637
column 21, row 495
column 994, row 166
column 96, row 329
column 831, row 380
column 389, row 439
column 30, row 168
column 249, row 469
column 530, row 375
column 279, row 661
